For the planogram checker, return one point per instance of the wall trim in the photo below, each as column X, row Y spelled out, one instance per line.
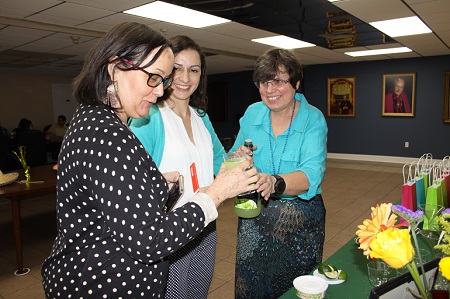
column 372, row 158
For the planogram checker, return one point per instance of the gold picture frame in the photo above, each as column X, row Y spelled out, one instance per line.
column 399, row 94
column 447, row 98
column 341, row 97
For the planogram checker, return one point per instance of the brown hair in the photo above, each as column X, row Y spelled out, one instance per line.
column 199, row 98
column 268, row 66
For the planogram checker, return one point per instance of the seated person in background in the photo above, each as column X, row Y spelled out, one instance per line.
column 3, row 131
column 54, row 136
column 55, row 133
column 24, row 125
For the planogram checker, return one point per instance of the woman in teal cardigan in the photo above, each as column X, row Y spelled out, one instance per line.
column 178, row 134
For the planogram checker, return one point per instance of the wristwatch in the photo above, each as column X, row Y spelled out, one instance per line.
column 280, row 185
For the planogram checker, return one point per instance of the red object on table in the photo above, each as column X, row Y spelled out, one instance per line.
column 439, row 294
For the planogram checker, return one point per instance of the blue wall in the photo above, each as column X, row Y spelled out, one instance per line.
column 368, row 133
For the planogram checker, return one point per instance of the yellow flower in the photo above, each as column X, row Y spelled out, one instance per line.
column 394, row 247
column 381, row 220
column 444, row 267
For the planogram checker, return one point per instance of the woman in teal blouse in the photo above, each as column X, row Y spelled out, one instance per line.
column 286, row 239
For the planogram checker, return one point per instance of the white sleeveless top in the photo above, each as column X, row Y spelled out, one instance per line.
column 179, row 152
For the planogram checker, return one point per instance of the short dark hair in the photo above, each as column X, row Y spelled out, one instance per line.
column 126, row 41
column 62, row 117
column 268, row 66
column 199, row 98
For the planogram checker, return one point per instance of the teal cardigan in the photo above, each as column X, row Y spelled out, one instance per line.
column 150, row 131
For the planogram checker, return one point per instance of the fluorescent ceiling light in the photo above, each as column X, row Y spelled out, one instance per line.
column 379, row 52
column 175, row 14
column 284, row 42
column 402, row 26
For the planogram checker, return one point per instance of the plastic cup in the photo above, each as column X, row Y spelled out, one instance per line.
column 233, row 159
column 378, row 273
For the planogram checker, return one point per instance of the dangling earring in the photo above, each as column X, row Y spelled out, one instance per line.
column 111, row 95
column 111, row 88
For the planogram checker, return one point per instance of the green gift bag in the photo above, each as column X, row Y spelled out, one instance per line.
column 420, row 186
column 440, row 183
column 434, row 200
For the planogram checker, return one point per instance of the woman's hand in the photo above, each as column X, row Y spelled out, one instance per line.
column 171, row 177
column 231, row 182
column 266, row 184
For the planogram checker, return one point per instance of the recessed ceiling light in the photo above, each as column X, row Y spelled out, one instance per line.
column 402, row 26
column 379, row 52
column 284, row 42
column 175, row 14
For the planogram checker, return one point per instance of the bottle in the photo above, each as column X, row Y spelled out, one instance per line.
column 248, row 143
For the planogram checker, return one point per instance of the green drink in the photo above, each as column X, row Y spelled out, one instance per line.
column 230, row 164
column 234, row 159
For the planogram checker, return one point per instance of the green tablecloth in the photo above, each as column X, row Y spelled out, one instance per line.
column 352, row 260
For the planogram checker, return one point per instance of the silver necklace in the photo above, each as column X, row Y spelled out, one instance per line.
column 285, row 142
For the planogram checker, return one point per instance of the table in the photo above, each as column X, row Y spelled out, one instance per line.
column 353, row 261
column 16, row 192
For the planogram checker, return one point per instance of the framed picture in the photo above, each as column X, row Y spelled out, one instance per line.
column 341, row 97
column 447, row 98
column 399, row 94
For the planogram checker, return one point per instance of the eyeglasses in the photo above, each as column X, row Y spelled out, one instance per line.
column 277, row 83
column 153, row 79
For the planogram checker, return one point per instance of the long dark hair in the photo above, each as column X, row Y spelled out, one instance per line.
column 127, row 41
column 199, row 98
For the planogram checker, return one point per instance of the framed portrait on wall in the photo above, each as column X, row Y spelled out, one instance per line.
column 341, row 97
column 447, row 98
column 399, row 94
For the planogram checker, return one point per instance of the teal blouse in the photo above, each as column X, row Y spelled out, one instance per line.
column 306, row 148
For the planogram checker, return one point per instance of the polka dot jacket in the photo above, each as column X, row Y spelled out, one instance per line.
column 112, row 234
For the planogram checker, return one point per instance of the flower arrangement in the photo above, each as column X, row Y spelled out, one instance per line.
column 381, row 238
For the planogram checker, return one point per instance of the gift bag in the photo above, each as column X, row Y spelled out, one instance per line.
column 446, row 175
column 425, row 169
column 409, row 198
column 420, row 186
column 433, row 202
column 440, row 183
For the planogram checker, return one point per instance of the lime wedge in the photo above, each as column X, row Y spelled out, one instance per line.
column 331, row 274
column 342, row 275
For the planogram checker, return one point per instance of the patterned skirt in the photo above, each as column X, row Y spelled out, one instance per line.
column 283, row 242
column 192, row 266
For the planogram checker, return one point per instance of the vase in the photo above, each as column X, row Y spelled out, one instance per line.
column 440, row 289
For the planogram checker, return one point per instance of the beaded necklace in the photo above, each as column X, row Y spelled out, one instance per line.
column 285, row 143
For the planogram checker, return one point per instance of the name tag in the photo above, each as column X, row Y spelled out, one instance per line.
column 194, row 177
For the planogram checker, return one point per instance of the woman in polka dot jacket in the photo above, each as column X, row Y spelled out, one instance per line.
column 113, row 237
